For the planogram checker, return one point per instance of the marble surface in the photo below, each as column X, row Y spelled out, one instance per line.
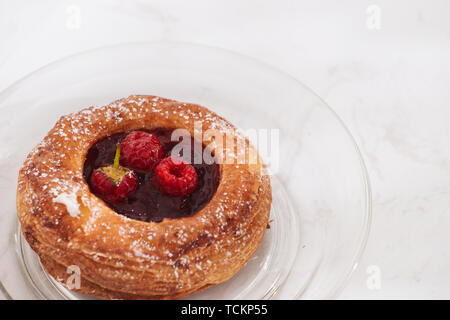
column 383, row 66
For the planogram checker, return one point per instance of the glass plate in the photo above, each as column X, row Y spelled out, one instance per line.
column 321, row 197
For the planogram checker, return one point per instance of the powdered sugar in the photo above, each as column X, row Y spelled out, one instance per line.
column 70, row 201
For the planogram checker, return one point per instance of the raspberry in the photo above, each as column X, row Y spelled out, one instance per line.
column 141, row 151
column 175, row 177
column 113, row 184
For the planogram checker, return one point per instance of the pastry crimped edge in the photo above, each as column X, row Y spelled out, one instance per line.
column 122, row 258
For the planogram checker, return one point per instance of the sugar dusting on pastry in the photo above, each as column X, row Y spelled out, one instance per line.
column 70, row 201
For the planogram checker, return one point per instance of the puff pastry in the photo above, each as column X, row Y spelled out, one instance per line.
column 123, row 258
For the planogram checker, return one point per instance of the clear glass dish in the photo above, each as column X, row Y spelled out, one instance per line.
column 321, row 210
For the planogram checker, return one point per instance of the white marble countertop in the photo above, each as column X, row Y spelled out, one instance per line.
column 383, row 66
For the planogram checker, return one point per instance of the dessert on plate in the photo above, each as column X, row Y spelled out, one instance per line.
column 147, row 197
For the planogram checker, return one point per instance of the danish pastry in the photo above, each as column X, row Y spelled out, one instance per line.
column 147, row 197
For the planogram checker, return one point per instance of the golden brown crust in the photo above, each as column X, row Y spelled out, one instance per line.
column 121, row 258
